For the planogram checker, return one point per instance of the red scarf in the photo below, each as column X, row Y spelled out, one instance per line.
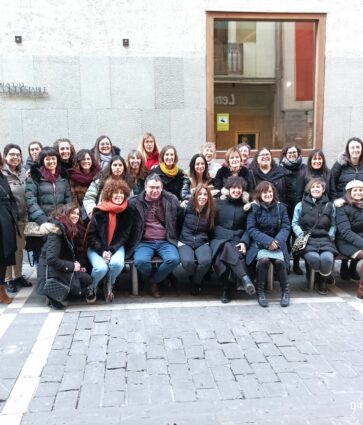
column 81, row 178
column 152, row 159
column 112, row 210
column 48, row 176
column 72, row 229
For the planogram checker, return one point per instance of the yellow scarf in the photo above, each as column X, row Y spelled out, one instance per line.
column 169, row 172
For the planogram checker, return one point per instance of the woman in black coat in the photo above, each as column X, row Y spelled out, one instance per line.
column 59, row 257
column 108, row 235
column 194, row 249
column 268, row 227
column 316, row 215
column 8, row 218
column 349, row 222
column 348, row 167
column 233, row 167
column 230, row 239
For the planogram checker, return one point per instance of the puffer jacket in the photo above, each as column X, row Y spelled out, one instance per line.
column 344, row 171
column 224, row 173
column 349, row 221
column 318, row 218
column 58, row 255
column 309, row 174
column 43, row 197
column 266, row 224
column 16, row 180
column 195, row 230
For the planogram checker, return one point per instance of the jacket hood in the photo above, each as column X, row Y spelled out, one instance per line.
column 340, row 202
column 36, row 174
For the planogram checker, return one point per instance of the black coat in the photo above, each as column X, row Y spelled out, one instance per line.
column 224, row 173
column 349, row 222
column 344, row 171
column 8, row 218
column 230, row 224
column 173, row 217
column 58, row 253
column 173, row 185
column 266, row 224
column 195, row 229
column 97, row 232
column 317, row 218
column 309, row 174
column 278, row 176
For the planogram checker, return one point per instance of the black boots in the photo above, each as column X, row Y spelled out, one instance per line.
column 285, row 297
column 226, row 295
column 261, row 296
column 296, row 266
column 347, row 273
column 245, row 284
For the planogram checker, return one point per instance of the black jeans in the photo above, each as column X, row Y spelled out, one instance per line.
column 196, row 262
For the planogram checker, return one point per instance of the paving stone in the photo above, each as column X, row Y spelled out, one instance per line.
column 156, row 367
column 280, row 364
column 250, row 387
column 281, row 340
column 115, row 380
column 173, row 343
column 62, row 342
column 229, row 390
column 102, row 316
column 85, row 323
column 98, row 341
column 190, row 338
column 215, row 357
column 94, row 373
column 67, row 328
column 42, row 404
column 176, row 356
column 160, row 389
column 317, row 386
column 90, row 395
column 180, row 371
column 97, row 354
column 205, row 333
column 344, row 369
column 306, row 347
column 155, row 352
column 197, row 365
column 222, row 373
column 292, row 354
column 254, row 355
column 232, row 351
column 113, row 398
column 274, row 389
column 208, row 394
column 101, row 328
column 293, row 384
column 82, row 335
column 116, row 360
column 246, row 342
column 57, row 357
column 259, row 337
column 204, row 380
column 136, row 348
column 319, row 363
column 194, row 352
column 139, row 377
column 183, row 391
column 269, row 349
column 224, row 336
column 66, row 400
column 78, row 347
column 116, row 345
column 52, row 373
column 46, row 389
column 240, row 367
column 75, row 363
column 136, row 362
column 137, row 394
column 304, row 370
column 71, row 381
column 264, row 372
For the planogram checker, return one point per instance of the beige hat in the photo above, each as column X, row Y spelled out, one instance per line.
column 354, row 183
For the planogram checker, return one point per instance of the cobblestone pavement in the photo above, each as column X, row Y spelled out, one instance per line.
column 183, row 360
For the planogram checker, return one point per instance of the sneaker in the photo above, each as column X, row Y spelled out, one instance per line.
column 91, row 296
column 21, row 281
column 11, row 287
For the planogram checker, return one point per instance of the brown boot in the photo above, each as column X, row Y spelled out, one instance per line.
column 4, row 296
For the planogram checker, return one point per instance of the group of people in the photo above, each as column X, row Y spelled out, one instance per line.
column 95, row 209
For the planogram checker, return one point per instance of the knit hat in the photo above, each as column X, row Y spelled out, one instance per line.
column 354, row 183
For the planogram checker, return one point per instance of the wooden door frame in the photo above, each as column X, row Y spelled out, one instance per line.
column 318, row 18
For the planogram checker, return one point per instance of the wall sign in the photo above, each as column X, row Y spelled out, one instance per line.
column 222, row 122
column 21, row 90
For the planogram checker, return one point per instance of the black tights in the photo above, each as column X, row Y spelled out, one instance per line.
column 262, row 270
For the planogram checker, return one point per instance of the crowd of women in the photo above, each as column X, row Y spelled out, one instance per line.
column 234, row 218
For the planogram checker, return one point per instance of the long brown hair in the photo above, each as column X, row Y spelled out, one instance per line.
column 62, row 214
column 209, row 210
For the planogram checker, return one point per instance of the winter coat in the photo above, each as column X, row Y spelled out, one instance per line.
column 224, row 172
column 8, row 218
column 92, row 196
column 58, row 253
column 195, row 230
column 97, row 232
column 16, row 180
column 173, row 185
column 349, row 221
column 266, row 224
column 186, row 191
column 344, row 171
column 312, row 174
column 173, row 217
column 295, row 178
column 278, row 177
column 318, row 218
column 43, row 197
column 230, row 224
column 29, row 163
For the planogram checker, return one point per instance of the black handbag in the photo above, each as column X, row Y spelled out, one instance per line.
column 54, row 288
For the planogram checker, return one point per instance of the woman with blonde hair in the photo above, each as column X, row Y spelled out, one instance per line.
column 149, row 150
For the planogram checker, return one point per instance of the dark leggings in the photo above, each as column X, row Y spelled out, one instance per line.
column 262, row 270
column 233, row 260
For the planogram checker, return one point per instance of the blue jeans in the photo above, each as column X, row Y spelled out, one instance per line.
column 100, row 268
column 144, row 253
column 322, row 262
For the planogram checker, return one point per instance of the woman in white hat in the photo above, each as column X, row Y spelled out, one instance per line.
column 349, row 222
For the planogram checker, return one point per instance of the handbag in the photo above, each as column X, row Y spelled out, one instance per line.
column 54, row 288
column 277, row 254
column 300, row 244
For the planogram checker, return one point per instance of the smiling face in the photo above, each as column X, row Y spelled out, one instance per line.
column 135, row 162
column 118, row 197
column 199, row 165
column 235, row 192
column 245, row 153
column 317, row 190
column 149, row 145
column 50, row 163
column 153, row 189
column 234, row 161
column 86, row 163
column 264, row 159
column 355, row 151
column 104, row 146
column 317, row 162
column 74, row 216
column 34, row 151
column 202, row 197
column 64, row 150
column 209, row 153
column 356, row 194
column 292, row 153
column 13, row 158
column 169, row 158
column 268, row 196
column 117, row 168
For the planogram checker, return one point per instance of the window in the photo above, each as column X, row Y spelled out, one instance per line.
column 265, row 79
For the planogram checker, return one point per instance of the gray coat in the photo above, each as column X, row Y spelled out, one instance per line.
column 16, row 180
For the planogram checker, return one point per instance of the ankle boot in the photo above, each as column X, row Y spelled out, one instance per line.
column 4, row 296
column 296, row 266
column 344, row 271
column 321, row 284
column 353, row 270
column 261, row 296
column 226, row 295
column 246, row 285
column 285, row 297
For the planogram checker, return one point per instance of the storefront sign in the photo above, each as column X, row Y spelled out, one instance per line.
column 21, row 90
column 225, row 100
column 222, row 122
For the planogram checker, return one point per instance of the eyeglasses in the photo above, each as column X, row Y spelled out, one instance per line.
column 264, row 154
column 14, row 154
column 292, row 153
